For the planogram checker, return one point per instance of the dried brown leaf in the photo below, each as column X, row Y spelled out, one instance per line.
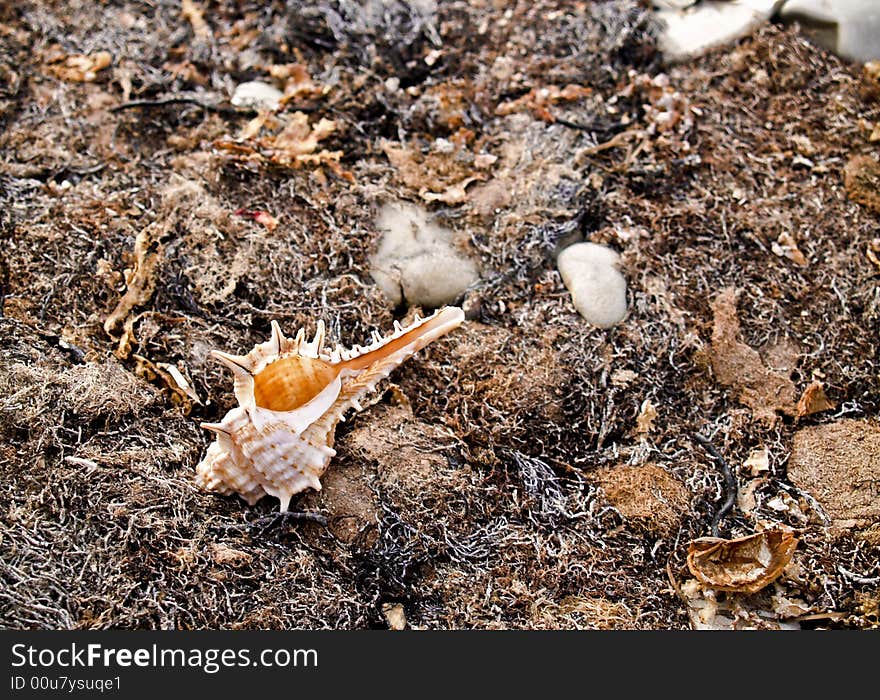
column 436, row 176
column 454, row 194
column 169, row 378
column 394, row 616
column 786, row 246
column 758, row 461
column 744, row 565
column 288, row 141
column 298, row 84
column 224, row 555
column 740, row 367
column 814, row 400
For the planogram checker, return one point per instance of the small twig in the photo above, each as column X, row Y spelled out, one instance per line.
column 818, row 616
column 617, row 140
column 610, row 129
column 674, row 581
column 80, row 462
column 148, row 104
column 572, row 125
column 730, row 484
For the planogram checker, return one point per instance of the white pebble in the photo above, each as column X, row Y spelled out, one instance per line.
column 417, row 260
column 598, row 288
column 257, row 95
column 686, row 33
column 850, row 28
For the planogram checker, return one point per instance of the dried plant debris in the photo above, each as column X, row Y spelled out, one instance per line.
column 80, row 68
column 839, row 465
column 743, row 565
column 441, row 175
column 140, row 281
column 736, row 365
column 648, row 496
column 539, row 100
column 171, row 379
column 285, row 141
column 862, row 180
column 814, row 400
column 771, row 609
column 514, row 475
column 193, row 13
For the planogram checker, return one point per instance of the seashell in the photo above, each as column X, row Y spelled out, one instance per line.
column 291, row 394
column 744, row 565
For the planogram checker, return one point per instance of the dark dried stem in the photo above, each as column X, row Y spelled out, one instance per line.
column 730, row 485
column 148, row 104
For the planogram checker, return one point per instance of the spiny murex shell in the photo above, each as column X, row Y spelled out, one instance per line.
column 291, row 394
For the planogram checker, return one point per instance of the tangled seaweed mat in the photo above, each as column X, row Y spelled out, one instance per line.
column 493, row 484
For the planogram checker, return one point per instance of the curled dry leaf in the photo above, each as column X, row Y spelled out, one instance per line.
column 744, row 565
column 171, row 379
column 813, row 400
column 758, row 461
column 298, row 84
column 786, row 247
column 746, row 500
column 454, row 194
column 178, row 382
column 394, row 616
column 80, row 68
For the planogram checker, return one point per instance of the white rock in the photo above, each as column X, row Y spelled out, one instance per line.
column 850, row 28
column 694, row 30
column 673, row 4
column 598, row 288
column 417, row 260
column 257, row 95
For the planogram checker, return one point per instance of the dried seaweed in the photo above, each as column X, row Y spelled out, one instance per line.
column 498, row 499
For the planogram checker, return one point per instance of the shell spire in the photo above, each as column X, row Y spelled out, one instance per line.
column 291, row 394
